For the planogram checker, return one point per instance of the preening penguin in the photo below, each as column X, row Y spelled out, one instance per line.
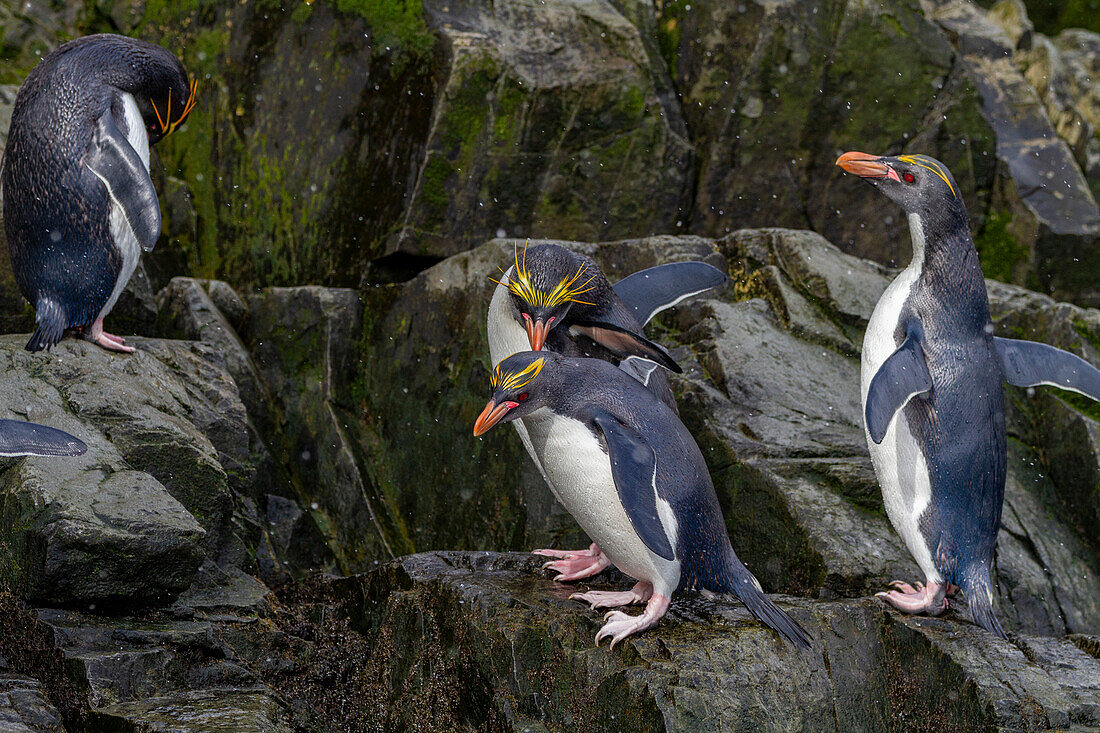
column 79, row 205
column 933, row 399
column 555, row 297
column 629, row 472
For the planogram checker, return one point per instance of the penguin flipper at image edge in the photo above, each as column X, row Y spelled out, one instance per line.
column 901, row 377
column 634, row 469
column 1032, row 364
column 648, row 292
column 115, row 162
column 18, row 438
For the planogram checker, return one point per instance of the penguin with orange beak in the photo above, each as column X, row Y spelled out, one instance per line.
column 630, row 473
column 933, row 400
column 560, row 300
column 79, row 204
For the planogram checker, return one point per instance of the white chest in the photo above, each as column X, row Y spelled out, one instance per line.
column 577, row 466
column 899, row 463
column 121, row 231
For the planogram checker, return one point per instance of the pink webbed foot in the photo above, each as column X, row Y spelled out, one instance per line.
column 575, row 564
column 930, row 599
column 620, row 625
column 107, row 341
column 640, row 593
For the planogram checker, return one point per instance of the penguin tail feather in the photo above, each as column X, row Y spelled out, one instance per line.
column 51, row 325
column 978, row 588
column 747, row 589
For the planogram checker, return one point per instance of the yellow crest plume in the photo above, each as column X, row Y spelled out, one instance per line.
column 514, row 380
column 923, row 161
column 565, row 291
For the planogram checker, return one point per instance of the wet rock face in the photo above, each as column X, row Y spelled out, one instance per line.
column 773, row 92
column 549, row 123
column 526, row 661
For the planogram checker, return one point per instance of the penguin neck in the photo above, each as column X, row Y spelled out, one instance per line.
column 941, row 239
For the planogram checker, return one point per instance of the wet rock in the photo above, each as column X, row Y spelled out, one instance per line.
column 305, row 343
column 188, row 310
column 95, row 529
column 206, row 711
column 773, row 92
column 170, row 443
column 549, row 122
column 435, row 128
column 1042, row 213
column 493, row 641
column 24, row 707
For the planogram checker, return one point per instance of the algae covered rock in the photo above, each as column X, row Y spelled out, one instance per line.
column 549, row 123
column 773, row 92
column 471, row 640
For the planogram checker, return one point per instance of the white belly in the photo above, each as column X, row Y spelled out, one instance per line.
column 581, row 472
column 899, row 464
column 121, row 231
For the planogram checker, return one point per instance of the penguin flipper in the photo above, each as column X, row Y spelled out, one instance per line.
column 1030, row 364
column 901, row 377
column 648, row 292
column 114, row 161
column 639, row 368
column 634, row 468
column 19, row 438
column 625, row 343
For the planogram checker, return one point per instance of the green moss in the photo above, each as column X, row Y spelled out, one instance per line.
column 434, row 186
column 670, row 18
column 397, row 27
column 1088, row 407
column 998, row 249
column 1086, row 333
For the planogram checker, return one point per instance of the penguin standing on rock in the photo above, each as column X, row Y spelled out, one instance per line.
column 629, row 472
column 931, row 383
column 555, row 297
column 79, row 205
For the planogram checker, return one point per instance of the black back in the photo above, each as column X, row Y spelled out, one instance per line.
column 960, row 423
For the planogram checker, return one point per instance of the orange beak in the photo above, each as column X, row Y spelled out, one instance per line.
column 865, row 166
column 536, row 333
column 491, row 415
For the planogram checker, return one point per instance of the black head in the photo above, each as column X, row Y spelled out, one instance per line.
column 918, row 183
column 151, row 73
column 521, row 384
column 547, row 281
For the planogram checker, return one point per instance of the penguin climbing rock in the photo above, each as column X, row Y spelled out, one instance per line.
column 79, row 205
column 18, row 438
column 931, row 384
column 629, row 472
column 560, row 298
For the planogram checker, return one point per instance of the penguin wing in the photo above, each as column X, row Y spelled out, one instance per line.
column 639, row 368
column 114, row 161
column 634, row 468
column 648, row 292
column 624, row 343
column 900, row 378
column 19, row 438
column 1030, row 364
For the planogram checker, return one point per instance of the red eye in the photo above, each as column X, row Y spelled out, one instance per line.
column 909, row 177
column 522, row 397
